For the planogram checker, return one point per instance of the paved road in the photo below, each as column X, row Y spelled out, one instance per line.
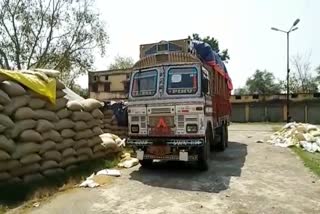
column 247, row 178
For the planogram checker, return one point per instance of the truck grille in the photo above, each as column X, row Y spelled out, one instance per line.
column 154, row 120
column 160, row 110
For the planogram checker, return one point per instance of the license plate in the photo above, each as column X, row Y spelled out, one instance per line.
column 183, row 156
column 159, row 150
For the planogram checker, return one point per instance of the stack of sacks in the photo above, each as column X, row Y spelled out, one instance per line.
column 111, row 124
column 39, row 139
column 302, row 135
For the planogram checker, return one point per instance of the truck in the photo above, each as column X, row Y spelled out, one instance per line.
column 178, row 103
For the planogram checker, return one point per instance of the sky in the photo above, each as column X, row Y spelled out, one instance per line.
column 243, row 27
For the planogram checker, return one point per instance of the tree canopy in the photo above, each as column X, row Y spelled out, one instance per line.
column 214, row 45
column 56, row 34
column 121, row 63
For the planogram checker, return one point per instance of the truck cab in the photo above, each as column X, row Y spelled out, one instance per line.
column 171, row 106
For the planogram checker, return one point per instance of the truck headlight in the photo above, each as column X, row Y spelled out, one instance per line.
column 192, row 128
column 134, row 128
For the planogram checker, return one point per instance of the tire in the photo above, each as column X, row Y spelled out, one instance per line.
column 204, row 153
column 227, row 136
column 146, row 163
column 222, row 143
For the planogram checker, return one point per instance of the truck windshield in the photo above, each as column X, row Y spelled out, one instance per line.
column 182, row 81
column 144, row 83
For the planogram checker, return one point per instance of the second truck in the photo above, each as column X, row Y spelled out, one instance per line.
column 178, row 104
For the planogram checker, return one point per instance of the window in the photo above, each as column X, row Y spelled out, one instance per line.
column 182, row 80
column 144, row 83
column 107, row 87
column 94, row 87
column 95, row 78
column 106, row 77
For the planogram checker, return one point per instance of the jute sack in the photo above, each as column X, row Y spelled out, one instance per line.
column 47, row 146
column 23, row 149
column 96, row 113
column 93, row 123
column 53, row 172
column 48, row 165
column 33, row 178
column 91, row 104
column 52, row 155
column 44, row 126
column 80, row 125
column 64, row 113
column 9, row 165
column 6, row 144
column 25, row 113
column 60, row 104
column 37, row 103
column 52, row 135
column 98, row 148
column 98, row 155
column 68, row 152
column 82, row 158
column 2, row 128
column 81, row 115
column 70, row 168
column 74, row 105
column 6, row 121
column 64, row 124
column 80, row 143
column 66, row 143
column 16, row 102
column 31, row 158
column 4, row 156
column 13, row 89
column 30, row 136
column 97, row 130
column 84, row 134
column 108, row 142
column 20, row 126
column 67, row 133
column 68, row 161
column 84, row 151
column 27, row 169
column 1, row 107
column 94, row 141
column 60, row 94
column 60, row 85
column 4, row 176
column 46, row 115
column 4, row 98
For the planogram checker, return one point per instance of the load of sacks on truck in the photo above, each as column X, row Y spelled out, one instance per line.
column 40, row 139
column 306, row 136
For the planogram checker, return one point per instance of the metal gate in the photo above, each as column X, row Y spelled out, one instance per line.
column 275, row 112
column 238, row 113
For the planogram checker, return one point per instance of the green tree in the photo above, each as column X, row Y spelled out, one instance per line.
column 83, row 92
column 214, row 45
column 56, row 34
column 121, row 63
column 262, row 82
column 241, row 91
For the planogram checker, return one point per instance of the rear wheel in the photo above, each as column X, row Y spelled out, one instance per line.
column 222, row 143
column 204, row 153
column 146, row 163
column 227, row 135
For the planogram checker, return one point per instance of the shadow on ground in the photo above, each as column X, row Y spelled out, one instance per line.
column 185, row 176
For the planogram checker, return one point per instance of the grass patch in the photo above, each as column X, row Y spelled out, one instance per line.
column 13, row 195
column 310, row 160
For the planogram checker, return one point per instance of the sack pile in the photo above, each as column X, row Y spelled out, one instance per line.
column 111, row 124
column 302, row 135
column 39, row 139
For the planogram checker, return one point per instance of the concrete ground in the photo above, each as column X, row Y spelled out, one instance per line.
column 247, row 178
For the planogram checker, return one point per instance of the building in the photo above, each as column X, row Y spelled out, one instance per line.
column 109, row 85
column 272, row 108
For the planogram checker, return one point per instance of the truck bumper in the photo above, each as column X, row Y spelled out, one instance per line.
column 180, row 149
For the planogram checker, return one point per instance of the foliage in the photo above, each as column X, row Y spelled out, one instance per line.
column 262, row 82
column 83, row 92
column 241, row 91
column 301, row 79
column 57, row 34
column 121, row 63
column 310, row 160
column 214, row 45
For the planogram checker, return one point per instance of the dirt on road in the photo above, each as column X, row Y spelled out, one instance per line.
column 247, row 178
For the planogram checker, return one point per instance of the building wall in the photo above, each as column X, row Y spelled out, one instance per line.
column 302, row 108
column 117, row 82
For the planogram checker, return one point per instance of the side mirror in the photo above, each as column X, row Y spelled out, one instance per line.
column 205, row 85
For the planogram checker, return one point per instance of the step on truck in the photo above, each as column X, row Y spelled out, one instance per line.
column 178, row 103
